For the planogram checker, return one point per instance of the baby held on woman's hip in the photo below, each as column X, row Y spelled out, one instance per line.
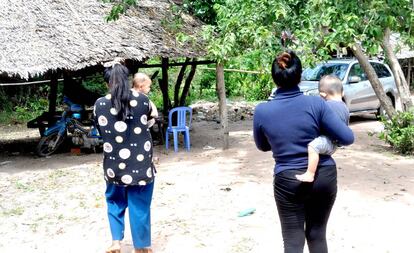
column 331, row 89
column 142, row 83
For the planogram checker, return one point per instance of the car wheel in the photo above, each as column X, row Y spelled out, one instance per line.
column 381, row 111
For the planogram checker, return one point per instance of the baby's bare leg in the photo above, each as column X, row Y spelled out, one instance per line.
column 313, row 160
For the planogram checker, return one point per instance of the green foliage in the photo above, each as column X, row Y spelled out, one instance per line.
column 22, row 103
column 156, row 95
column 399, row 132
column 246, row 34
column 244, row 27
column 203, row 9
column 204, row 85
column 32, row 108
column 320, row 26
column 5, row 102
column 173, row 22
column 95, row 83
column 21, row 113
column 119, row 7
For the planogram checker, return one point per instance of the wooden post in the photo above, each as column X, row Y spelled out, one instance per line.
column 180, row 78
column 164, row 86
column 53, row 96
column 221, row 90
column 187, row 85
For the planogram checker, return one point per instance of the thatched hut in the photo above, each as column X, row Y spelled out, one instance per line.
column 405, row 56
column 41, row 37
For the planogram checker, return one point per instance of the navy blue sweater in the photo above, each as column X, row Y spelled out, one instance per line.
column 289, row 122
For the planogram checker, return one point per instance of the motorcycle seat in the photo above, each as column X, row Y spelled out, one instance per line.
column 76, row 108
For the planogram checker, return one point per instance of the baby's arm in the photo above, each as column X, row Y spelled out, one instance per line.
column 153, row 114
column 154, row 111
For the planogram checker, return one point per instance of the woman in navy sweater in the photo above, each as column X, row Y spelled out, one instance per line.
column 286, row 125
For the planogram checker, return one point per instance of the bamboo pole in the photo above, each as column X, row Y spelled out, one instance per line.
column 28, row 83
column 221, row 90
column 239, row 71
column 53, row 96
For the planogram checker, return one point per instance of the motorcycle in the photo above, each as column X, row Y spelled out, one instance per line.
column 69, row 126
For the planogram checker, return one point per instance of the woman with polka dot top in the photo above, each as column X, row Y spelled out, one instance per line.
column 121, row 118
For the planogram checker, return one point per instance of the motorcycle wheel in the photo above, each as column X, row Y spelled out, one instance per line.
column 49, row 144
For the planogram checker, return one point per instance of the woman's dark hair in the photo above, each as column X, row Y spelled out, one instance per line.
column 287, row 70
column 120, row 89
column 107, row 74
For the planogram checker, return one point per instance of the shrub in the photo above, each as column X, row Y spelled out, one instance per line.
column 22, row 103
column 399, row 132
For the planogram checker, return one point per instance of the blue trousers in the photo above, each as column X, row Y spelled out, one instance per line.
column 138, row 200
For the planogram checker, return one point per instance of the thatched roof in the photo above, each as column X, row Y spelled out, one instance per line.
column 402, row 50
column 41, row 35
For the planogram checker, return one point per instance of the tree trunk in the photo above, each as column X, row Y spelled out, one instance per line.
column 373, row 79
column 409, row 80
column 180, row 78
column 187, row 84
column 221, row 90
column 400, row 81
column 164, row 87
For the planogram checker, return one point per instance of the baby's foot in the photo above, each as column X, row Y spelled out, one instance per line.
column 114, row 248
column 306, row 177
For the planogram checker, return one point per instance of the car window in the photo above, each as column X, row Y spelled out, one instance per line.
column 316, row 73
column 356, row 70
column 381, row 70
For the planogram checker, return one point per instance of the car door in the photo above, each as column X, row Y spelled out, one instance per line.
column 359, row 95
column 386, row 79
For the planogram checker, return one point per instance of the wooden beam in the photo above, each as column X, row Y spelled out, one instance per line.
column 221, row 90
column 187, row 85
column 27, row 83
column 53, row 95
column 180, row 78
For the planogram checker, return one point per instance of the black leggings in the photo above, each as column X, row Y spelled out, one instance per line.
column 304, row 208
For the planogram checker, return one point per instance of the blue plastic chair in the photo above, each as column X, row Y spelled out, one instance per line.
column 180, row 127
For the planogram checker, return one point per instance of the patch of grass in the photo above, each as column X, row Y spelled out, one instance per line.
column 24, row 187
column 16, row 211
column 33, row 227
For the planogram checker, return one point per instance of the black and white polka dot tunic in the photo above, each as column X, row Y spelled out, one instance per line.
column 127, row 144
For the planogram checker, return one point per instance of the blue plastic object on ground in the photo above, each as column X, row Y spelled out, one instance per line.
column 246, row 212
column 181, row 126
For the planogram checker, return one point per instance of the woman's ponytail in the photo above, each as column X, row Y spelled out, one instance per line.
column 120, row 89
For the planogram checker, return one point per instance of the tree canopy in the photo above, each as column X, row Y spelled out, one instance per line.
column 252, row 29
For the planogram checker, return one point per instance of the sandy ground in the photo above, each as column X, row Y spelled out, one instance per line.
column 56, row 204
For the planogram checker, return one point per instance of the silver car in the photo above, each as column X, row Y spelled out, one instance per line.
column 359, row 95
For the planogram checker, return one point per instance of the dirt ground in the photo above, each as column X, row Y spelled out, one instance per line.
column 56, row 204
